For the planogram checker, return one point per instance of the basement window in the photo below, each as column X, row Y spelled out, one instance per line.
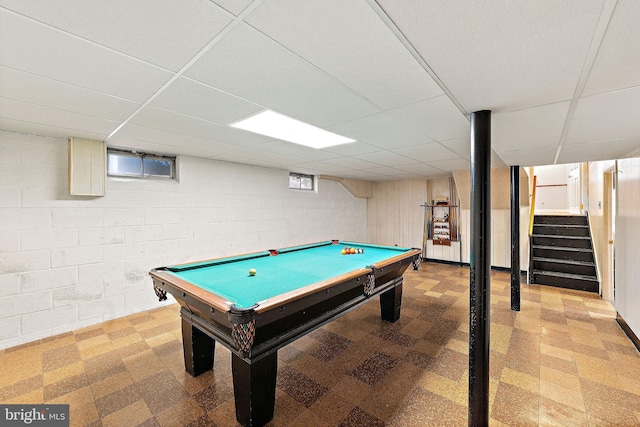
column 134, row 164
column 299, row 181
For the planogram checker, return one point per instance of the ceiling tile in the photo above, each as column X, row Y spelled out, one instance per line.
column 530, row 156
column 31, row 47
column 45, row 92
column 437, row 117
column 386, row 158
column 460, row 146
column 250, row 65
column 366, row 175
column 392, row 172
column 451, row 165
column 274, row 160
column 352, row 148
column 427, row 152
column 35, row 128
column 130, row 133
column 496, row 160
column 156, row 118
column 612, row 115
column 619, row 53
column 191, row 98
column 351, row 163
column 347, row 40
column 382, row 130
column 296, row 150
column 164, row 33
column 423, row 170
column 531, row 127
column 601, row 150
column 71, row 122
column 233, row 6
column 322, row 168
column 500, row 55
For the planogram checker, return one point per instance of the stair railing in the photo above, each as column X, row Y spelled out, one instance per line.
column 532, row 207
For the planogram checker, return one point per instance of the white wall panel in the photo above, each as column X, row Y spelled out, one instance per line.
column 627, row 249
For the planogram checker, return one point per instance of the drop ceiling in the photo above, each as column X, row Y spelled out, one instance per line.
column 562, row 79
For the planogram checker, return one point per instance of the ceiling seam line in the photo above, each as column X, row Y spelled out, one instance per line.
column 85, row 40
column 221, row 34
column 599, row 33
column 57, row 109
column 306, row 61
column 67, row 83
column 386, row 19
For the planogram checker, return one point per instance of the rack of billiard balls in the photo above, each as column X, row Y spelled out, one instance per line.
column 351, row 251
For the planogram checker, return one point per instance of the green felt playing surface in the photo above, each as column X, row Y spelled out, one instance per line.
column 275, row 275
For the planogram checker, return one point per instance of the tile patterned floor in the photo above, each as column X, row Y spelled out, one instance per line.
column 561, row 361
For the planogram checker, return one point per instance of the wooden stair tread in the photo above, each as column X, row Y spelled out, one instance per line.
column 565, row 275
column 564, row 261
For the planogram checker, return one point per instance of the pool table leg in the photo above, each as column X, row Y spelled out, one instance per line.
column 254, row 386
column 198, row 349
column 390, row 302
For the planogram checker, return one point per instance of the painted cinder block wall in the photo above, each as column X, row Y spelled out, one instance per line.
column 67, row 262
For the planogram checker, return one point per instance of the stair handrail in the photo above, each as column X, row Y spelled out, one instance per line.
column 530, row 275
column 533, row 205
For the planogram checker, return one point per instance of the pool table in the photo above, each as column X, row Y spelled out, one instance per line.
column 294, row 290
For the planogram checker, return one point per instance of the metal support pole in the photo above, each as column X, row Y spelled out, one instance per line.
column 515, row 238
column 480, row 268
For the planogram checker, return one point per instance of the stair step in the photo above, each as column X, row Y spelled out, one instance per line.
column 561, row 241
column 560, row 219
column 567, row 266
column 562, row 225
column 566, row 280
column 564, row 261
column 561, row 230
column 558, row 252
column 561, row 248
column 562, row 237
column 565, row 275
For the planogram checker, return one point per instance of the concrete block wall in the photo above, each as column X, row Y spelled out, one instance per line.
column 67, row 262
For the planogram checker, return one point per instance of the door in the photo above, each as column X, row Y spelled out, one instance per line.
column 573, row 188
column 609, row 215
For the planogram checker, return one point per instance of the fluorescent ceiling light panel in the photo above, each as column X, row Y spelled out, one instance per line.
column 276, row 125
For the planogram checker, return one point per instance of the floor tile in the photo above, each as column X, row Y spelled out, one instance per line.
column 561, row 361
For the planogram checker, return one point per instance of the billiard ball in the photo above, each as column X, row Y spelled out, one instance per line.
column 252, row 272
column 353, row 250
column 344, row 251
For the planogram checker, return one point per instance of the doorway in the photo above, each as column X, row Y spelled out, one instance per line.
column 609, row 217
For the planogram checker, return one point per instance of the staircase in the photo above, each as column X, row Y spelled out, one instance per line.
column 562, row 254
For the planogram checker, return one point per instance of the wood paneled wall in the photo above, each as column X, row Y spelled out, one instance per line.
column 394, row 212
column 500, row 188
column 501, row 237
column 396, row 217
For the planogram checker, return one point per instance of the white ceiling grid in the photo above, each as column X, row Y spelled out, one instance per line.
column 562, row 78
